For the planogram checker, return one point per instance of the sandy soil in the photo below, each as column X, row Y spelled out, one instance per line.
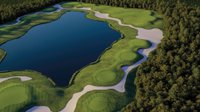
column 39, row 109
column 22, row 78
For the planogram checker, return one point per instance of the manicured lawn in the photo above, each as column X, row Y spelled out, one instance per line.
column 12, row 95
column 104, row 76
column 101, row 101
column 70, row 4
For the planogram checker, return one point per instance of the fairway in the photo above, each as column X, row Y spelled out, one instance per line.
column 105, row 76
column 12, row 95
column 50, row 9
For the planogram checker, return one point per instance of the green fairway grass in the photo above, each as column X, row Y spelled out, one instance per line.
column 105, row 76
column 12, row 95
column 101, row 101
column 70, row 4
column 50, row 9
column 105, row 71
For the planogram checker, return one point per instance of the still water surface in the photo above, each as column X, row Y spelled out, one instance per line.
column 60, row 48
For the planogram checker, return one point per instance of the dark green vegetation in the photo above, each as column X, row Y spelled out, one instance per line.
column 11, row 9
column 50, row 9
column 169, row 80
column 2, row 54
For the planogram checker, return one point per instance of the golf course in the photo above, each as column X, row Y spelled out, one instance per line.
column 107, row 82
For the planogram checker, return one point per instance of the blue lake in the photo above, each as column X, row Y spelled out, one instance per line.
column 60, row 48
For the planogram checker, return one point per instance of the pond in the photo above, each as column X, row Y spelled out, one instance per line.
column 59, row 48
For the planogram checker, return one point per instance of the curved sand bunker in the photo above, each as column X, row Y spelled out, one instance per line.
column 22, row 78
column 39, row 109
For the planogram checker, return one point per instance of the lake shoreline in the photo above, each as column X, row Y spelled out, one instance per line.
column 120, row 87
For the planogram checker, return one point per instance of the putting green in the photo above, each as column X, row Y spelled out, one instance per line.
column 100, row 101
column 128, row 55
column 12, row 95
column 105, row 76
column 95, row 104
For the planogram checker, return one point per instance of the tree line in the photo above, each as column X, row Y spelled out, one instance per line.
column 11, row 9
column 169, row 79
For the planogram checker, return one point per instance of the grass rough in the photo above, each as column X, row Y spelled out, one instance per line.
column 2, row 54
column 101, row 101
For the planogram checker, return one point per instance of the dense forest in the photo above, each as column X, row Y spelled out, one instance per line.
column 169, row 80
column 11, row 9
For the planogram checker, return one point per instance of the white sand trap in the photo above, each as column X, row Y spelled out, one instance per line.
column 22, row 78
column 58, row 7
column 39, row 109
